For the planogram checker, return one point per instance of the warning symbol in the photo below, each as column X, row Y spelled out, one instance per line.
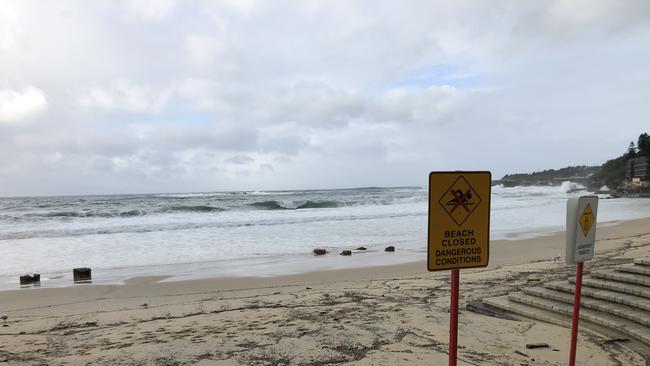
column 587, row 220
column 460, row 200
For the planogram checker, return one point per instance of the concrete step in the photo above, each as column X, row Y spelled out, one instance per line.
column 642, row 261
column 599, row 293
column 624, row 288
column 503, row 303
column 619, row 310
column 629, row 328
column 634, row 268
column 632, row 278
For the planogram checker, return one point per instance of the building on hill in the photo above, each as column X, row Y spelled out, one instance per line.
column 638, row 172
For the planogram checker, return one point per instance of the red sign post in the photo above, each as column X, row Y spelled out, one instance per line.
column 453, row 318
column 576, row 314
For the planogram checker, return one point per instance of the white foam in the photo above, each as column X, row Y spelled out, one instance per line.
column 251, row 235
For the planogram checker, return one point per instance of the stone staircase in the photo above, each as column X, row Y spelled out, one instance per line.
column 614, row 301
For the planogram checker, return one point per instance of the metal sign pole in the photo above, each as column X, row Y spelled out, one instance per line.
column 453, row 317
column 576, row 314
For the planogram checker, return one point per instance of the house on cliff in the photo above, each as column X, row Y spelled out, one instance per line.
column 638, row 172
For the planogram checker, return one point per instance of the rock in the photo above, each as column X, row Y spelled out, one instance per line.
column 346, row 252
column 27, row 280
column 521, row 353
column 320, row 251
column 614, row 340
column 390, row 249
column 536, row 345
column 82, row 275
column 362, row 248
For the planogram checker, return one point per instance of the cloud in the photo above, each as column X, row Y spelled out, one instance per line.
column 151, row 10
column 205, row 50
column 174, row 96
column 239, row 160
column 9, row 28
column 18, row 105
column 432, row 104
column 125, row 95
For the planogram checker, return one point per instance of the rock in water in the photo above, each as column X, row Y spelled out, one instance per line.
column 82, row 275
column 362, row 248
column 390, row 249
column 346, row 252
column 320, row 251
column 27, row 280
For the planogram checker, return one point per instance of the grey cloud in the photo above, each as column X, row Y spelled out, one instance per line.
column 211, row 136
column 239, row 159
column 166, row 95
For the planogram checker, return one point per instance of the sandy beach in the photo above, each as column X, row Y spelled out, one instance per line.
column 389, row 315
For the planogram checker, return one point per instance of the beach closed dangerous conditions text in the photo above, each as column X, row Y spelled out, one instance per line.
column 459, row 220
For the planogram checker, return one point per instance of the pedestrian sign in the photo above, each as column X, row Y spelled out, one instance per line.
column 586, row 220
column 459, row 220
column 581, row 228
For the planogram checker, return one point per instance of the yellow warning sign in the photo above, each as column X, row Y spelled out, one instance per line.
column 459, row 220
column 587, row 220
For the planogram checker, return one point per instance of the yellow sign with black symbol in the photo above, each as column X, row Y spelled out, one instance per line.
column 587, row 219
column 459, row 220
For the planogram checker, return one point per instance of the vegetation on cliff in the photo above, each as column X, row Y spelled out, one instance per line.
column 611, row 173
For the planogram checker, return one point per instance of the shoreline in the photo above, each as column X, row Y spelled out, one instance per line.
column 383, row 315
column 543, row 246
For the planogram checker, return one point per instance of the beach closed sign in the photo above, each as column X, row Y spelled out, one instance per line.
column 459, row 220
column 581, row 228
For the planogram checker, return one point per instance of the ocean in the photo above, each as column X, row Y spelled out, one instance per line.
column 192, row 235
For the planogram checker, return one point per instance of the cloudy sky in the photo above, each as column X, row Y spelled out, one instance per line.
column 172, row 96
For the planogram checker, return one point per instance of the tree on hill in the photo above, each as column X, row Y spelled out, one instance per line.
column 612, row 173
column 631, row 149
column 643, row 145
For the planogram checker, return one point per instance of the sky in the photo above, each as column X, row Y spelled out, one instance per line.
column 100, row 97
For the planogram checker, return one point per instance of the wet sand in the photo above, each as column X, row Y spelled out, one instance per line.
column 387, row 315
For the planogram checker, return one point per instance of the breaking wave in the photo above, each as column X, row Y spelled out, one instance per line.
column 199, row 208
column 569, row 187
column 275, row 205
column 319, row 204
column 268, row 205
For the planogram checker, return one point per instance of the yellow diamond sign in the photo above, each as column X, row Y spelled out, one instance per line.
column 587, row 220
column 460, row 200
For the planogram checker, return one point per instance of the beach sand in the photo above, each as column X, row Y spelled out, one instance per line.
column 390, row 315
